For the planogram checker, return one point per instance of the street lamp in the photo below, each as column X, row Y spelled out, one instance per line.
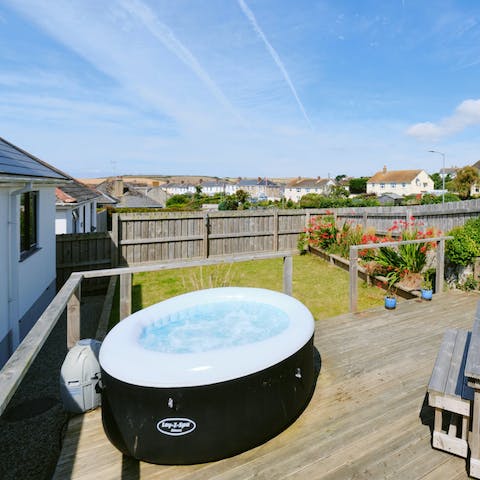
column 443, row 173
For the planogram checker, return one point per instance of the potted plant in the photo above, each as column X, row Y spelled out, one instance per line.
column 427, row 289
column 390, row 297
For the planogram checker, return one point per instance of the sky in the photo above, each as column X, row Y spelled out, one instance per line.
column 228, row 88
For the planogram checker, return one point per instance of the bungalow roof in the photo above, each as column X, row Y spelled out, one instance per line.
column 76, row 192
column 16, row 162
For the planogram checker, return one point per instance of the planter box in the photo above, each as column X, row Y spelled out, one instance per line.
column 341, row 262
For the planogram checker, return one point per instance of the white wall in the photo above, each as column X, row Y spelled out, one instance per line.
column 61, row 221
column 4, row 255
column 38, row 270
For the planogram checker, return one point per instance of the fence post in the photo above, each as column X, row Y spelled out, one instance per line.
column 125, row 295
column 206, row 228
column 275, row 231
column 408, row 215
column 73, row 317
column 440, row 266
column 287, row 275
column 115, row 240
column 353, row 270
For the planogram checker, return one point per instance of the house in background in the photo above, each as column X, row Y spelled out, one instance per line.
column 299, row 187
column 179, row 188
column 76, row 208
column 260, row 188
column 120, row 194
column 401, row 182
column 27, row 242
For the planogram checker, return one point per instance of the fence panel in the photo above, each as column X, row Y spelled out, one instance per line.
column 83, row 251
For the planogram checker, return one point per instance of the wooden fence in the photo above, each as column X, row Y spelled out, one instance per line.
column 147, row 238
column 83, row 251
column 171, row 236
column 443, row 217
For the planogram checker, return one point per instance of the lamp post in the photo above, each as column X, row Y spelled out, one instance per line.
column 443, row 173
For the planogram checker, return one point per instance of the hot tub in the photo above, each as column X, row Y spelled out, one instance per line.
column 206, row 375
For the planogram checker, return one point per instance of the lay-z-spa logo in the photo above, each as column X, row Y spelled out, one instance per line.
column 176, row 426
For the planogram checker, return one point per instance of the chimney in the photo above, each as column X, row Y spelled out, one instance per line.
column 118, row 187
column 384, row 169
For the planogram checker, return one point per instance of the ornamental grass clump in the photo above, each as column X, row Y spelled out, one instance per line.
column 398, row 263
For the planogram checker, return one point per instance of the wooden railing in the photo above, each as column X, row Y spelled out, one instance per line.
column 353, row 269
column 69, row 297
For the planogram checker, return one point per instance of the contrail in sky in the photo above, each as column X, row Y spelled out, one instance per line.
column 251, row 17
column 161, row 31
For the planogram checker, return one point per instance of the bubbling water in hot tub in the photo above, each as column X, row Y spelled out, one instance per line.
column 214, row 326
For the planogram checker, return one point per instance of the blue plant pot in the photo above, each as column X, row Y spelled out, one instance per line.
column 427, row 294
column 390, row 303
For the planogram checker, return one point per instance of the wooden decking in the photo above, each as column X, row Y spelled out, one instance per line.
column 367, row 419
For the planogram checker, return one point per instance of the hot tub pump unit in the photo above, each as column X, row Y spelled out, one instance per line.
column 80, row 377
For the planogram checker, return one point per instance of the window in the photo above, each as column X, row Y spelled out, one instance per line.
column 28, row 223
column 393, row 185
column 404, row 185
column 382, row 185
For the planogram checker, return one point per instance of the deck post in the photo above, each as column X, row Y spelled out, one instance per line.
column 125, row 295
column 73, row 317
column 353, row 270
column 287, row 275
column 440, row 266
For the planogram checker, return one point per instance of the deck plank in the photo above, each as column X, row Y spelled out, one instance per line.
column 363, row 420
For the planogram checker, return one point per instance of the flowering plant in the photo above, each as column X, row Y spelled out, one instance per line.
column 321, row 232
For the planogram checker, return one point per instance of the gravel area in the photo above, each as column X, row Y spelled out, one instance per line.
column 32, row 427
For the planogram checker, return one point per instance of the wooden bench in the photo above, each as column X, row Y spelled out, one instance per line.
column 472, row 372
column 450, row 395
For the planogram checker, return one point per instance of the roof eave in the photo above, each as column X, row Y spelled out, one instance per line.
column 9, row 180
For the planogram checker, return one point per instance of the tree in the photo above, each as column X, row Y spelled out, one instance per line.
column 358, row 185
column 178, row 200
column 311, row 200
column 242, row 196
column 339, row 178
column 198, row 192
column 338, row 191
column 230, row 202
column 438, row 181
column 466, row 177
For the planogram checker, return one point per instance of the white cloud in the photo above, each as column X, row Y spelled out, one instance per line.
column 465, row 115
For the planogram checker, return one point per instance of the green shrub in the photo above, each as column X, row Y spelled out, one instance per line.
column 469, row 284
column 465, row 245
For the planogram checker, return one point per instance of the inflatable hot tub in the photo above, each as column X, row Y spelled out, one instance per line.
column 206, row 375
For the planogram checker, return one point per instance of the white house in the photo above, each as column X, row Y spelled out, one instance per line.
column 27, row 242
column 260, row 188
column 299, row 187
column 212, row 187
column 401, row 182
column 179, row 188
column 76, row 208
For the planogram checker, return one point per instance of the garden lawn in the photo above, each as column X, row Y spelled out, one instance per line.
column 322, row 287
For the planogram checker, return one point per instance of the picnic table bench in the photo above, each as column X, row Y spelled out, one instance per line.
column 454, row 393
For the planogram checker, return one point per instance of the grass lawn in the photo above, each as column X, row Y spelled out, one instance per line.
column 322, row 287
